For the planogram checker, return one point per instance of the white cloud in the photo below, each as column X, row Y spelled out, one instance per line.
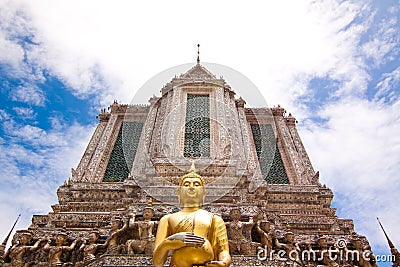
column 357, row 154
column 118, row 45
column 390, row 82
column 10, row 53
column 30, row 177
column 25, row 113
column 30, row 94
column 384, row 40
column 4, row 115
column 14, row 32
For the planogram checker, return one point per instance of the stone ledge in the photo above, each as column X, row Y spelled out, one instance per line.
column 145, row 261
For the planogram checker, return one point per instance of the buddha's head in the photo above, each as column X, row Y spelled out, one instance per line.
column 191, row 191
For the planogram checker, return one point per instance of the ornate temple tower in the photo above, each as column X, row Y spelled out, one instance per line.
column 251, row 158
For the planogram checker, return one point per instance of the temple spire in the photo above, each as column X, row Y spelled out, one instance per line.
column 393, row 249
column 198, row 53
column 387, row 237
column 12, row 228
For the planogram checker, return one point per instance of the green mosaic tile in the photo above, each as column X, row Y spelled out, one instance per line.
column 123, row 153
column 197, row 127
column 270, row 160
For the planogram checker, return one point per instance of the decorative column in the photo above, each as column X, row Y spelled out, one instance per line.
column 81, row 174
column 286, row 147
column 308, row 172
column 247, row 139
column 96, row 159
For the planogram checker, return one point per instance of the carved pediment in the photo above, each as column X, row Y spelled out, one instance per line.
column 198, row 72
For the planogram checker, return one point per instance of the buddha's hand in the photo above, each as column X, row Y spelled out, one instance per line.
column 186, row 239
column 216, row 264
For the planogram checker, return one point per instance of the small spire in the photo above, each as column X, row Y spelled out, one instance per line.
column 387, row 237
column 192, row 167
column 198, row 53
column 9, row 233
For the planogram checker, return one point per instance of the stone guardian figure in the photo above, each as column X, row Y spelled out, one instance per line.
column 145, row 243
column 237, row 241
column 90, row 249
column 21, row 249
column 56, row 252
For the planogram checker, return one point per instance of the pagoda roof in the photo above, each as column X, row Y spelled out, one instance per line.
column 197, row 74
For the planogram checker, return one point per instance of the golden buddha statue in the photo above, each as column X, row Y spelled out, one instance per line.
column 195, row 236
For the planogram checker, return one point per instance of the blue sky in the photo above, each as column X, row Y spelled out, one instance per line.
column 333, row 64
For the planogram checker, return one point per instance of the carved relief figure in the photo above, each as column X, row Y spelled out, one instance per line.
column 238, row 243
column 267, row 236
column 2, row 250
column 289, row 245
column 56, row 252
column 363, row 262
column 90, row 250
column 116, row 232
column 194, row 235
column 396, row 255
column 326, row 259
column 20, row 249
column 145, row 244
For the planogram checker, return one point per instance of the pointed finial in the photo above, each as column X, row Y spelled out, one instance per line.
column 192, row 167
column 9, row 233
column 198, row 53
column 387, row 237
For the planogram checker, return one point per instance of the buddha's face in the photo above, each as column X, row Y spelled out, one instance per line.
column 191, row 192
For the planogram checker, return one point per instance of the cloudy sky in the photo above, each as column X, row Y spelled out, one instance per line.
column 333, row 64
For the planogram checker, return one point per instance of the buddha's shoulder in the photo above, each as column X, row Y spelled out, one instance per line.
column 218, row 219
column 165, row 217
column 214, row 216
